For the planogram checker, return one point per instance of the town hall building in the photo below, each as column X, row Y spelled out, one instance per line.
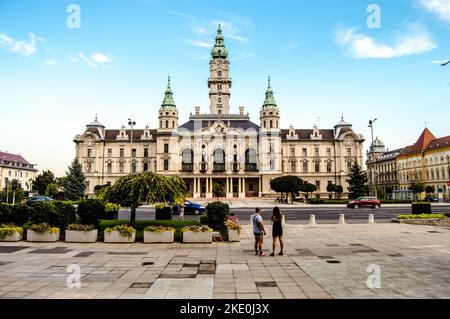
column 220, row 146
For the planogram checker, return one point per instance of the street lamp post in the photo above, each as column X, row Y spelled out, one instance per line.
column 131, row 123
column 374, row 175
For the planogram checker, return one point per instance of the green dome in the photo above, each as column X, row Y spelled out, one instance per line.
column 168, row 101
column 219, row 51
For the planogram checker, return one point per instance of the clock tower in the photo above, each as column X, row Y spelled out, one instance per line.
column 219, row 82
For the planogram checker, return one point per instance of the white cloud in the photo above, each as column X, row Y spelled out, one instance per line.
column 199, row 43
column 242, row 56
column 101, row 58
column 51, row 62
column 21, row 47
column 441, row 8
column 93, row 60
column 292, row 45
column 415, row 40
column 439, row 61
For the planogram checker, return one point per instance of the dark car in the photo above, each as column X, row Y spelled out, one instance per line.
column 190, row 208
column 431, row 199
column 365, row 202
column 38, row 198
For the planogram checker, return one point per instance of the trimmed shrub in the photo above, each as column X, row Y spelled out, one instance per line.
column 66, row 214
column 44, row 212
column 111, row 210
column 422, row 216
column 91, row 211
column 20, row 214
column 217, row 214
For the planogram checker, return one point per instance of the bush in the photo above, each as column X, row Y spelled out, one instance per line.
column 66, row 214
column 79, row 227
column 124, row 230
column 422, row 216
column 111, row 210
column 44, row 212
column 197, row 229
column 91, row 211
column 6, row 230
column 43, row 228
column 14, row 214
column 158, row 229
column 57, row 214
column 217, row 213
column 203, row 219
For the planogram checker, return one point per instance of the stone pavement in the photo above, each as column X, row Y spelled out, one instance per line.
column 323, row 261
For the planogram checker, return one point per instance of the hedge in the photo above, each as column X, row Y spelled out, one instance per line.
column 422, row 216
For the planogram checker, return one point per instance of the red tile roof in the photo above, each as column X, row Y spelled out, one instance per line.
column 427, row 141
column 7, row 157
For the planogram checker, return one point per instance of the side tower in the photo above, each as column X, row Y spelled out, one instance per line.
column 168, row 113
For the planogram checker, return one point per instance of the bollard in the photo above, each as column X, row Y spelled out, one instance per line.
column 283, row 220
column 312, row 220
column 371, row 219
column 341, row 219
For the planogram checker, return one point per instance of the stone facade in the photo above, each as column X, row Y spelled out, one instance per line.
column 382, row 167
column 15, row 167
column 221, row 147
column 427, row 161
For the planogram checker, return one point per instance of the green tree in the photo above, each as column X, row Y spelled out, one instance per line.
column 357, row 180
column 137, row 189
column 339, row 191
column 331, row 188
column 13, row 193
column 40, row 183
column 429, row 189
column 218, row 190
column 418, row 189
column 309, row 188
column 74, row 183
column 287, row 184
column 52, row 190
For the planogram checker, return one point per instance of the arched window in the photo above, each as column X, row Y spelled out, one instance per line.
column 166, row 165
column 265, row 124
column 167, row 124
column 250, row 160
column 188, row 160
column 173, row 124
column 219, row 160
column 271, row 124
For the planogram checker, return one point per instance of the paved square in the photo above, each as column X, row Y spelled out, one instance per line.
column 323, row 261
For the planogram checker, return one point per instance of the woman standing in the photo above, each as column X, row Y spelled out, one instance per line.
column 277, row 231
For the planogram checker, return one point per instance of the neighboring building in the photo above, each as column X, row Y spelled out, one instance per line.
column 15, row 167
column 382, row 172
column 221, row 147
column 427, row 161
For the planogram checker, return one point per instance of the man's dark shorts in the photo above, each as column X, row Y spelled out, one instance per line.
column 257, row 235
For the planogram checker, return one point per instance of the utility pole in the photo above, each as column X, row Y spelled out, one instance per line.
column 374, row 175
column 131, row 123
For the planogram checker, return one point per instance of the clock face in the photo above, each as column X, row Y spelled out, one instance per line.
column 348, row 141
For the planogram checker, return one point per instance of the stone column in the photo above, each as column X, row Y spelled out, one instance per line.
column 196, row 187
column 209, row 187
column 242, row 187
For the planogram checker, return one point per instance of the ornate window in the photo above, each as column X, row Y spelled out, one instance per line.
column 166, row 165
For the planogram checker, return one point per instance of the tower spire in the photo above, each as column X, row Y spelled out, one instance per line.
column 168, row 96
column 270, row 100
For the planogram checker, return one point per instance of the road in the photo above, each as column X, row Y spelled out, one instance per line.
column 300, row 215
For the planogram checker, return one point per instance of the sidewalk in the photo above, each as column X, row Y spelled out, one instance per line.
column 324, row 261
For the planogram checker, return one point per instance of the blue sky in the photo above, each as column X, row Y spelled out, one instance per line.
column 321, row 55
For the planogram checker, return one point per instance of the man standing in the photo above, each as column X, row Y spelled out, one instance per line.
column 259, row 232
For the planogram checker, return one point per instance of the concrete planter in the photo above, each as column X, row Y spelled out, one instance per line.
column 441, row 222
column 13, row 237
column 78, row 236
column 42, row 236
column 116, row 237
column 158, row 237
column 233, row 235
column 197, row 237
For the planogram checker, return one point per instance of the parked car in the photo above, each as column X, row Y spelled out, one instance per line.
column 38, row 198
column 431, row 199
column 190, row 208
column 364, row 202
